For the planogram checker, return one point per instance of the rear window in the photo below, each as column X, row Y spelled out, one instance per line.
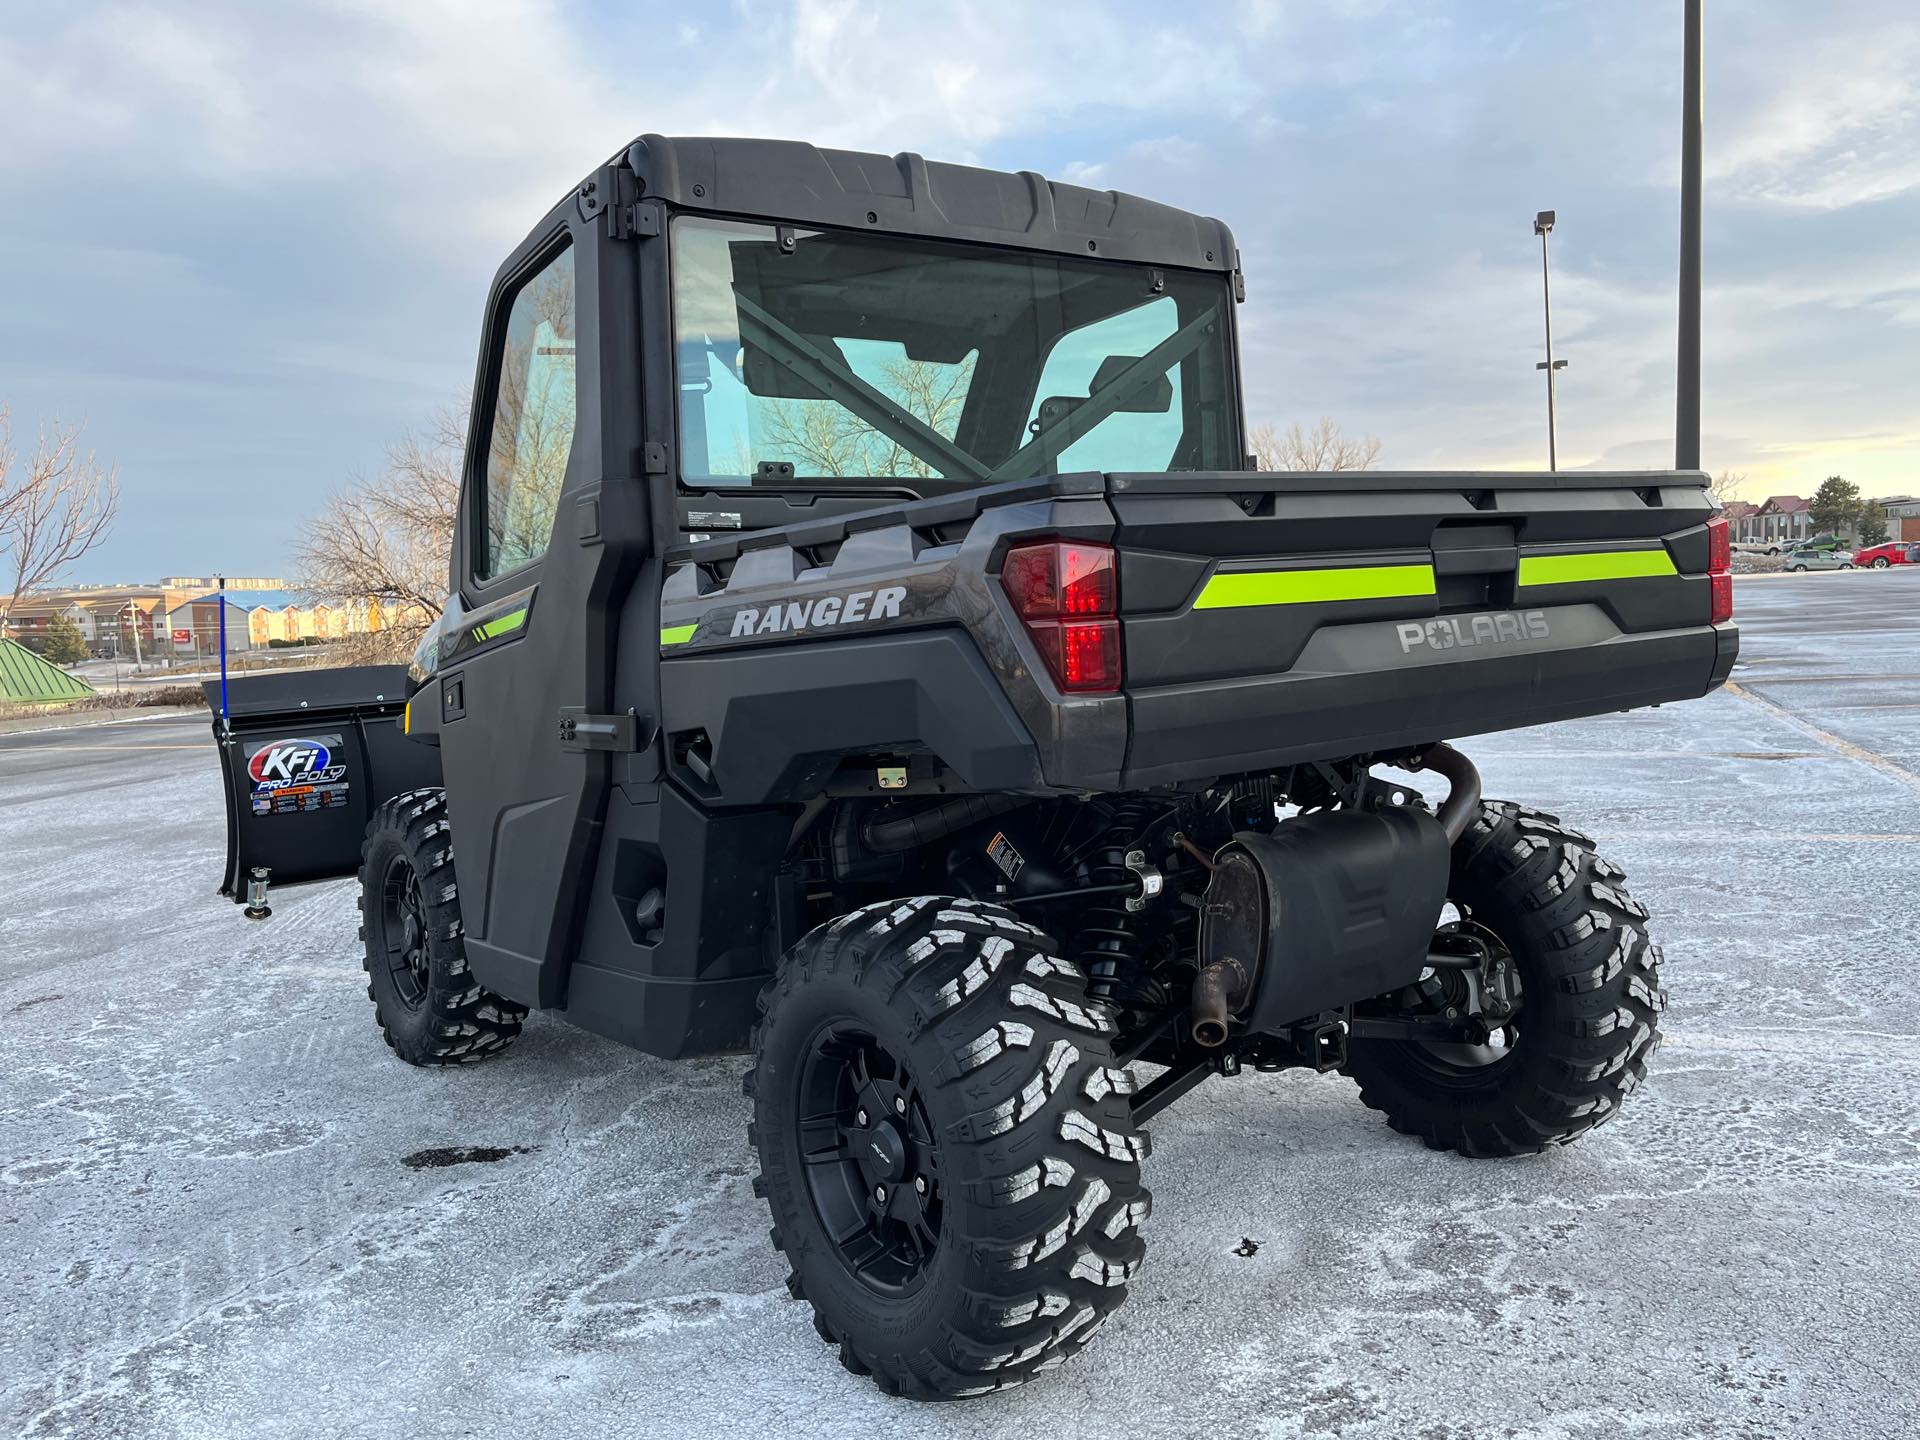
column 809, row 355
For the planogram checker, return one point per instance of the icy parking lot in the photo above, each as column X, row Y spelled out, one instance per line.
column 225, row 1210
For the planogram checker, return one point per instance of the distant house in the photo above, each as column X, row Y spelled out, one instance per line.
column 1777, row 520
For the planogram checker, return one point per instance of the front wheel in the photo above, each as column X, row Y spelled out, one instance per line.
column 1880, row 562
column 946, row 1145
column 427, row 1003
column 1564, row 1009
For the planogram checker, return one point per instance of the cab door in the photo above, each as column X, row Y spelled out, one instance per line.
column 554, row 533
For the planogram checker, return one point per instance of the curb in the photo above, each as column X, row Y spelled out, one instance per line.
column 87, row 719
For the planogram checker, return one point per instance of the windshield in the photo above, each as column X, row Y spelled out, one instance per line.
column 815, row 355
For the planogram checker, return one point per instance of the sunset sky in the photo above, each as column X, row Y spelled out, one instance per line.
column 249, row 243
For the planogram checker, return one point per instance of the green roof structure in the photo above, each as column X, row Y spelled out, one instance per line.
column 26, row 679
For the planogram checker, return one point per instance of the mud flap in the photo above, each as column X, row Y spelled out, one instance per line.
column 305, row 759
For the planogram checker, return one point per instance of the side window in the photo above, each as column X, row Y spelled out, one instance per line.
column 532, row 430
column 1142, row 440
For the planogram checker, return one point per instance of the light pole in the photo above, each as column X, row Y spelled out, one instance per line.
column 1542, row 225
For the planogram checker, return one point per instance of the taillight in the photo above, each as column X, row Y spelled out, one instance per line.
column 1067, row 598
column 1719, row 571
column 1719, row 546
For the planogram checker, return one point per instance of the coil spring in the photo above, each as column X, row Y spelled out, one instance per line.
column 1108, row 943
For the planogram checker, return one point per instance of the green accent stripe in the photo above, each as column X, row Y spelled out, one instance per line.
column 676, row 634
column 1595, row 565
column 501, row 625
column 1232, row 589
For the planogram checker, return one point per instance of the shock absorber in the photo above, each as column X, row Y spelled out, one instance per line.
column 1108, row 942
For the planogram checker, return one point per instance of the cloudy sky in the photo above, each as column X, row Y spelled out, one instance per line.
column 248, row 242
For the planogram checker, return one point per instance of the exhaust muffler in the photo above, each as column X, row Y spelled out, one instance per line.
column 1329, row 909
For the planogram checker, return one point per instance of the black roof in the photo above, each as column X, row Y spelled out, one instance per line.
column 789, row 180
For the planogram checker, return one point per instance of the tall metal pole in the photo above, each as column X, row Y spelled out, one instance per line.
column 1686, row 444
column 1542, row 226
column 1546, row 298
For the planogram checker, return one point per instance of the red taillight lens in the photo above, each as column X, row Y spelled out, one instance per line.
column 1719, row 546
column 1082, row 655
column 1065, row 593
column 1719, row 570
column 1090, row 655
column 1059, row 577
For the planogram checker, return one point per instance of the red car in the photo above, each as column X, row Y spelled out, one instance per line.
column 1894, row 552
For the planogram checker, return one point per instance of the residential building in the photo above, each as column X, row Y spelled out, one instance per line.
column 1778, row 520
column 1903, row 516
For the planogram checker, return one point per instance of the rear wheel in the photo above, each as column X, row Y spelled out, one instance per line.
column 1880, row 562
column 946, row 1146
column 425, row 999
column 1563, row 1013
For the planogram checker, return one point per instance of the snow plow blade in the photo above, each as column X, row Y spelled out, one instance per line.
column 306, row 759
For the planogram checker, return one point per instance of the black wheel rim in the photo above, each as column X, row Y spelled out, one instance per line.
column 871, row 1161
column 403, row 917
column 1489, row 1005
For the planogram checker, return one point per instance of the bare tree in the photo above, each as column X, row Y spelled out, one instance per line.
column 1726, row 485
column 54, row 509
column 1323, row 446
column 385, row 539
column 823, row 438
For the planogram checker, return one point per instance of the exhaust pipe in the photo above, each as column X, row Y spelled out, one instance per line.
column 1218, row 990
column 1462, row 805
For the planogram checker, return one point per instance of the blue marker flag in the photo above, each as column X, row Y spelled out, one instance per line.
column 223, row 649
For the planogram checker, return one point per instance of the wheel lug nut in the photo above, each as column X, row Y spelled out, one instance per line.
column 899, row 1104
column 880, row 1193
column 860, row 1119
column 920, row 1184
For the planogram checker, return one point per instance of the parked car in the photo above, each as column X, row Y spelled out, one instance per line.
column 1815, row 542
column 1810, row 559
column 1893, row 552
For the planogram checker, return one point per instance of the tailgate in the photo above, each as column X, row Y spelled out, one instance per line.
column 1271, row 619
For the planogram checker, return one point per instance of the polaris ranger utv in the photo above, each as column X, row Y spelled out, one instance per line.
column 870, row 647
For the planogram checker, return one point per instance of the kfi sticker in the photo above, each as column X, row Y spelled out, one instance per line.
column 296, row 773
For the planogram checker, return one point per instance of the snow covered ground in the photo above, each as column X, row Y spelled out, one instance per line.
column 210, row 1225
